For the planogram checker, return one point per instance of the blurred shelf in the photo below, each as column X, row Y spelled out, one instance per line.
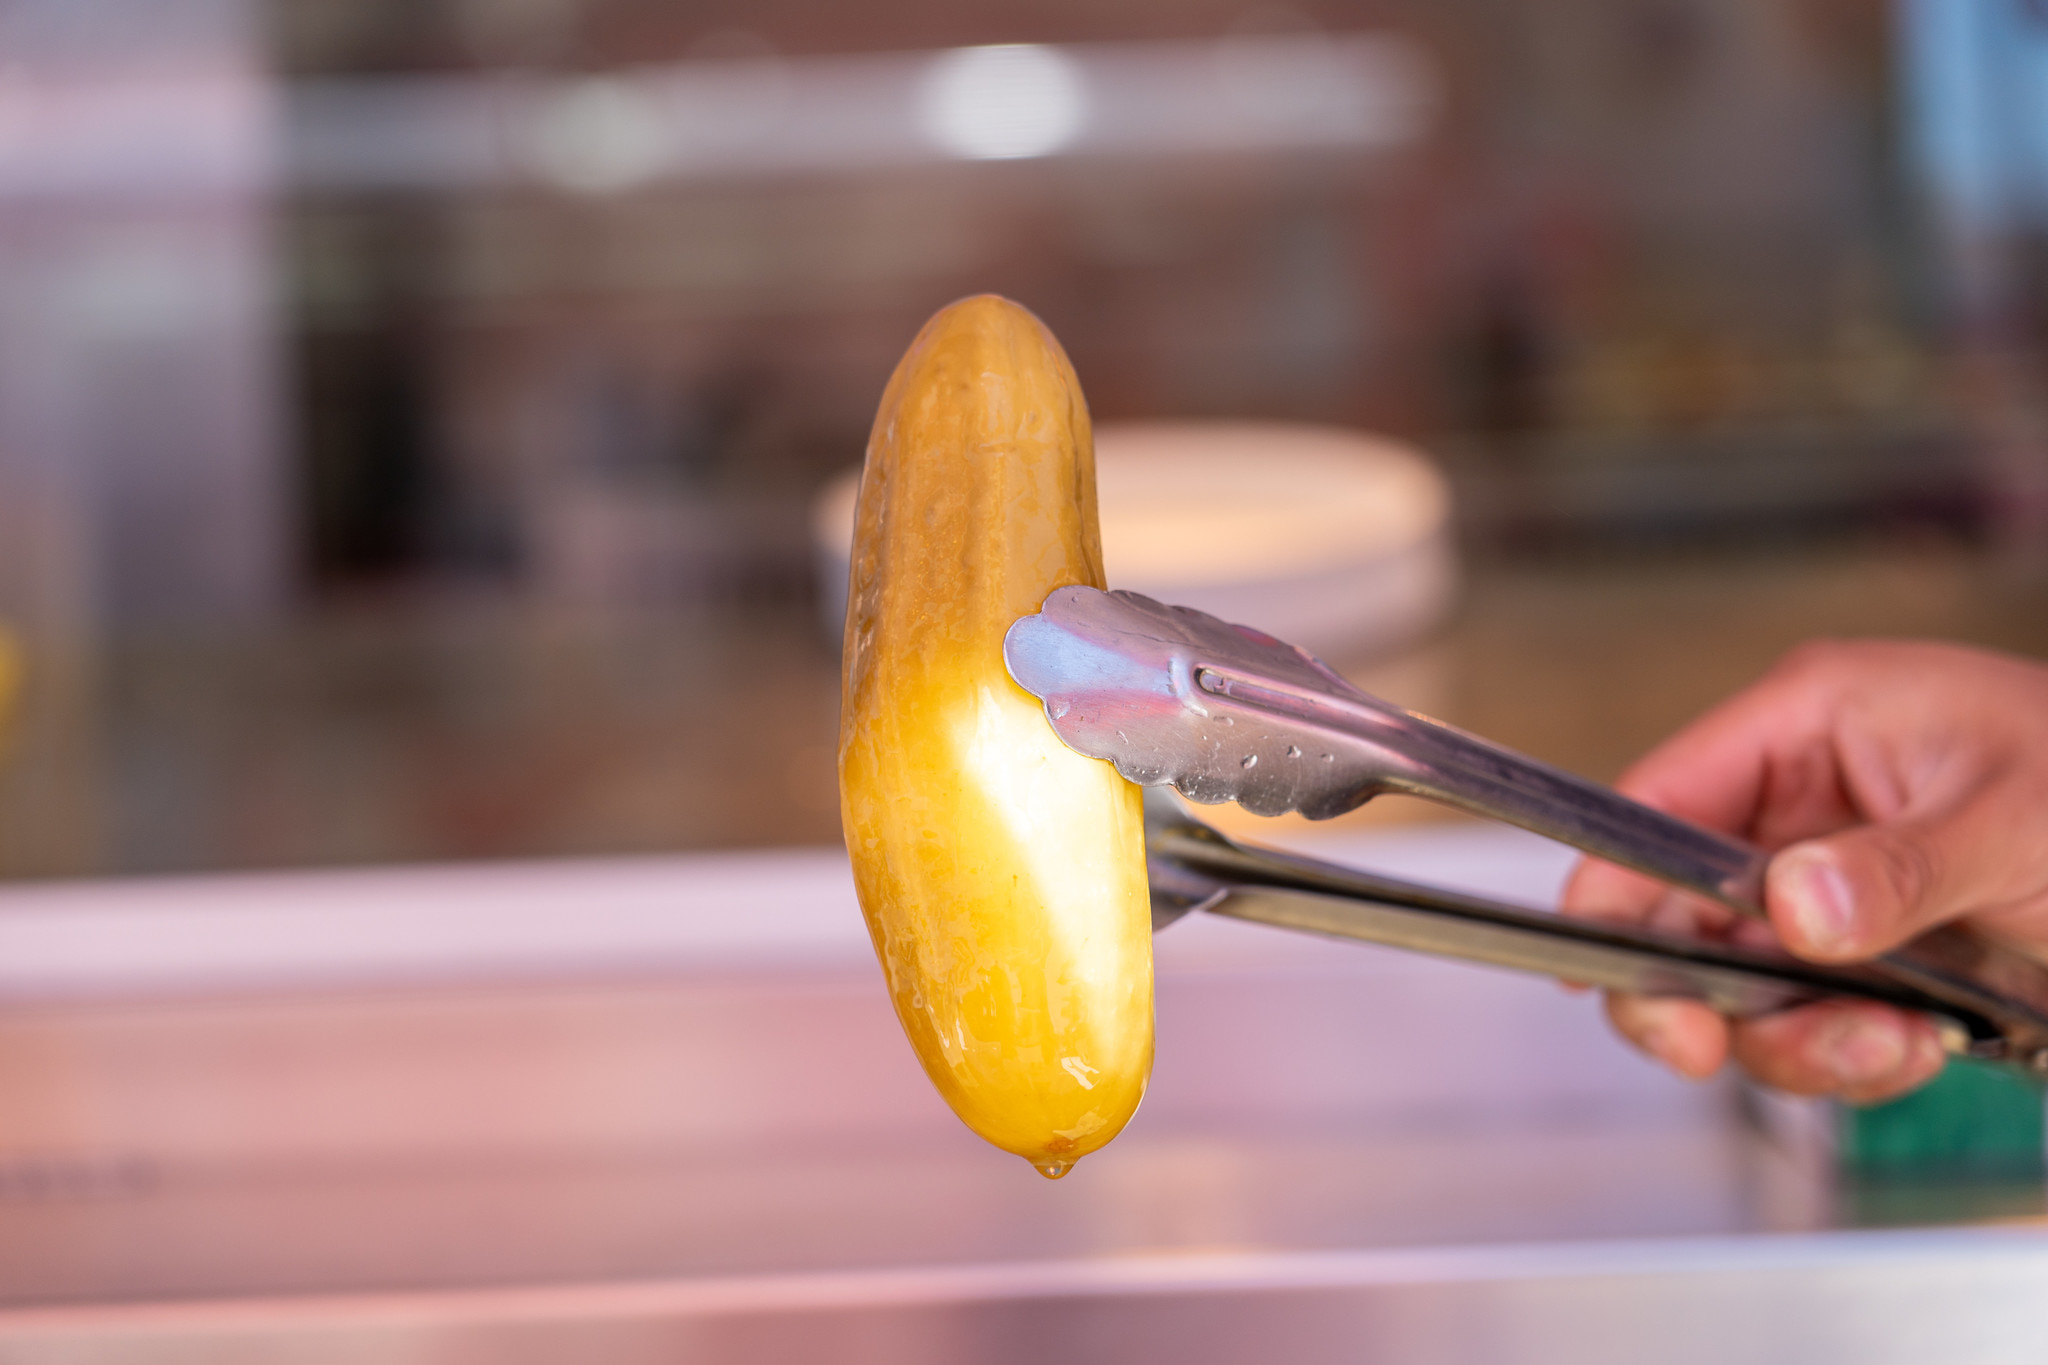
column 410, row 731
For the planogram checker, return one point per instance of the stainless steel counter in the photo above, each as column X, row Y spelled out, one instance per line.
column 701, row 1136
column 1963, row 1298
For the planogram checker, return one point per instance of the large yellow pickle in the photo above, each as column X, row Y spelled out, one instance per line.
column 1002, row 874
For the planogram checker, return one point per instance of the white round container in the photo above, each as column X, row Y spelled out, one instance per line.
column 1329, row 539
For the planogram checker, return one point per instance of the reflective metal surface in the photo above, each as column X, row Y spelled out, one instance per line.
column 1224, row 712
column 1346, row 1152
column 1959, row 1298
column 1192, row 867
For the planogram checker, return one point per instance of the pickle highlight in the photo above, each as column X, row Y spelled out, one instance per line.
column 1002, row 874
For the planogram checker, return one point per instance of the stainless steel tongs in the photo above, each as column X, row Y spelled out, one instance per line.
column 1175, row 697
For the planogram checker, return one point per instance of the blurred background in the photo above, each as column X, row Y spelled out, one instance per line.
column 423, row 431
column 411, row 413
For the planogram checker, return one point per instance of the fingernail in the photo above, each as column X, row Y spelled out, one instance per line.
column 1863, row 1051
column 1928, row 1054
column 1818, row 901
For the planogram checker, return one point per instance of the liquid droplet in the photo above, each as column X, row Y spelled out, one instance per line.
column 1294, row 751
column 1329, row 758
column 1053, row 1170
column 1250, row 761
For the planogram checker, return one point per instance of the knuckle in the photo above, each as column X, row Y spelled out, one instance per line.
column 1777, row 1049
column 1820, row 657
column 1909, row 866
column 1779, row 1067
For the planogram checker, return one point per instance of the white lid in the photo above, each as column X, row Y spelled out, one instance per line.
column 1330, row 539
column 1224, row 502
column 1197, row 504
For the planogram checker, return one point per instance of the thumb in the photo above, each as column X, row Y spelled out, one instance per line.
column 1861, row 892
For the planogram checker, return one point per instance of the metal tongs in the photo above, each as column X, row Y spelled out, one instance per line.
column 1219, row 712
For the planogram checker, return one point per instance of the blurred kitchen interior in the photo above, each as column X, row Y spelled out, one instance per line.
column 410, row 412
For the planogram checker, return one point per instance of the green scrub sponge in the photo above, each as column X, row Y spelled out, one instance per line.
column 1973, row 1120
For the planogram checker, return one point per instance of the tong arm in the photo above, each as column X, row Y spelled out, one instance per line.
column 1195, row 868
column 1418, row 756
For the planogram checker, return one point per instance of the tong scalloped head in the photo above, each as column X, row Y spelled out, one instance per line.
column 1122, row 678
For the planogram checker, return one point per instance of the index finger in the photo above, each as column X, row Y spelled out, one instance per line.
column 1718, row 772
column 1769, row 745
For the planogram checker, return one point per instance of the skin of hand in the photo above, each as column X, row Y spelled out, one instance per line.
column 1900, row 785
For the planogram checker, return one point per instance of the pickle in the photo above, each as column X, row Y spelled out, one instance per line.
column 1002, row 875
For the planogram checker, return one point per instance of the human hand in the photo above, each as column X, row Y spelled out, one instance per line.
column 1900, row 785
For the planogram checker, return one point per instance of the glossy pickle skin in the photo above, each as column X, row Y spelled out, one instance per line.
column 1002, row 875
